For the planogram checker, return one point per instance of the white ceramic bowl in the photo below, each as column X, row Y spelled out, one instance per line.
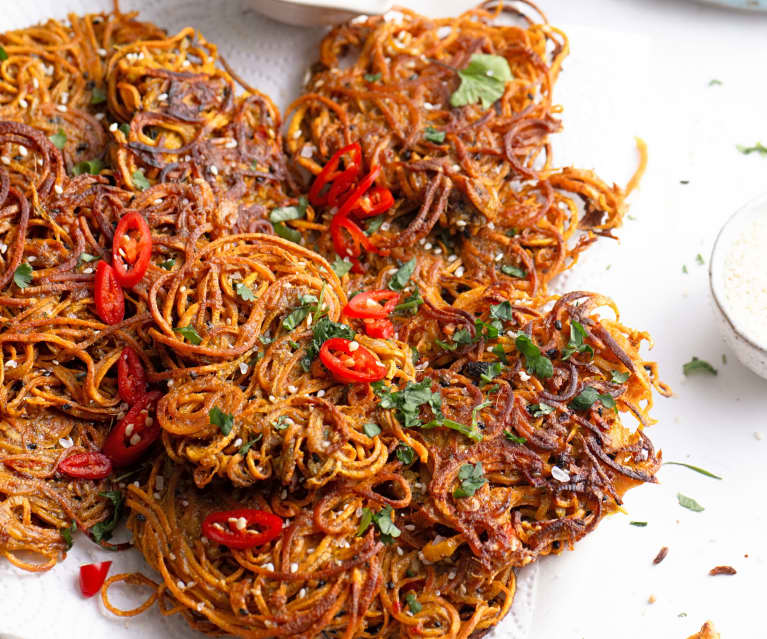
column 310, row 13
column 749, row 350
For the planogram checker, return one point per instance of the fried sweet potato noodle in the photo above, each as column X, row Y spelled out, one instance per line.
column 497, row 423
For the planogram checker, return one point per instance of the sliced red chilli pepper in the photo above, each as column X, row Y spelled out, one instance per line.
column 353, row 201
column 232, row 528
column 90, row 465
column 375, row 201
column 131, row 377
column 349, row 362
column 379, row 328
column 131, row 249
column 134, row 433
column 329, row 172
column 92, row 577
column 368, row 304
column 342, row 186
column 108, row 295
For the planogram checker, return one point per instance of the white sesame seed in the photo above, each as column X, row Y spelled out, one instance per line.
column 113, row 127
column 302, row 593
column 182, row 289
column 400, row 552
column 102, row 52
column 64, row 97
column 452, row 258
column 172, row 556
column 292, row 389
column 243, row 368
column 231, row 144
column 23, row 103
column 461, row 223
column 36, row 83
column 437, row 251
column 491, row 226
column 3, row 247
column 237, row 442
column 181, row 585
column 353, row 346
column 269, row 566
column 294, row 567
column 5, row 160
column 148, row 421
column 129, row 430
column 162, row 97
column 61, row 107
column 88, row 270
column 272, row 398
column 11, row 364
column 213, row 169
column 451, row 575
column 498, row 257
column 66, row 442
column 200, row 606
column 135, row 439
column 58, row 189
column 385, row 226
column 428, row 246
column 241, row 523
column 524, row 376
column 560, row 474
column 23, row 151
column 459, row 271
column 321, row 392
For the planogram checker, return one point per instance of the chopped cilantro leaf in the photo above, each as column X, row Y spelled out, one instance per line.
column 223, row 420
column 402, row 276
column 432, row 135
column 471, row 479
column 22, row 276
column 484, row 79
column 696, row 365
column 189, row 333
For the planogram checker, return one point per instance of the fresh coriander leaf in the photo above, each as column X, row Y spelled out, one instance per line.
column 322, row 330
column 125, row 128
column 484, row 79
column 139, row 180
column 689, row 503
column 493, row 370
column 471, row 479
column 589, row 395
column 103, row 529
column 576, row 345
column 697, row 469
column 92, row 167
column 22, row 276
column 537, row 364
column 715, row 83
column 87, row 257
column 502, row 311
column 385, row 524
column 294, row 345
column 408, row 401
column 223, row 420
column 471, row 433
column 98, row 95
column 617, row 377
column 516, row 439
column 59, row 139
column 67, row 533
column 371, row 429
column 281, row 423
column 500, row 353
column 540, row 409
column 287, row 233
column 244, row 293
column 696, row 365
column 684, row 269
column 247, row 446
column 432, row 135
column 757, row 148
column 475, row 413
column 295, row 317
column 412, row 603
column 462, row 336
column 405, row 454
column 638, row 524
column 341, row 267
column 3, row 54
column 265, row 340
column 365, row 520
column 445, row 346
column 699, row 259
column 513, row 271
column 293, row 212
column 489, row 330
column 402, row 276
column 168, row 264
column 372, row 77
column 411, row 304
column 374, row 224
column 190, row 334
column 682, row 614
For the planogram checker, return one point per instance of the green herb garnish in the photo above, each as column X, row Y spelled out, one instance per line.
column 617, row 377
column 471, row 479
column 287, row 233
column 293, row 212
column 341, row 267
column 589, row 395
column 67, row 533
column 3, row 54
column 323, row 330
column 432, row 135
column 189, row 333
column 535, row 362
column 223, row 420
column 139, row 180
column 697, row 469
column 244, row 293
column 247, row 446
column 540, row 409
column 59, row 139
column 516, row 439
column 513, row 271
column 402, row 276
column 696, row 365
column 638, row 524
column 22, row 276
column 412, row 603
column 383, row 521
column 411, row 304
column 757, row 148
column 576, row 345
column 484, row 79
column 372, row 77
column 103, row 529
column 168, row 264
column 98, row 95
column 689, row 503
column 405, row 454
column 371, row 429
column 92, row 167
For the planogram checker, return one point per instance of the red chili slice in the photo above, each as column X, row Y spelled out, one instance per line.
column 90, row 465
column 92, row 577
column 349, row 364
column 131, row 377
column 329, row 173
column 375, row 201
column 134, row 433
column 379, row 328
column 342, row 186
column 131, row 249
column 367, row 304
column 232, row 527
column 353, row 201
column 109, row 298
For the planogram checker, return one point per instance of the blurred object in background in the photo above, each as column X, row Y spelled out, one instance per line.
column 749, row 5
column 312, row 13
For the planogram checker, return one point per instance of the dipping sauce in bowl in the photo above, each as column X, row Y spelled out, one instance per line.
column 738, row 276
